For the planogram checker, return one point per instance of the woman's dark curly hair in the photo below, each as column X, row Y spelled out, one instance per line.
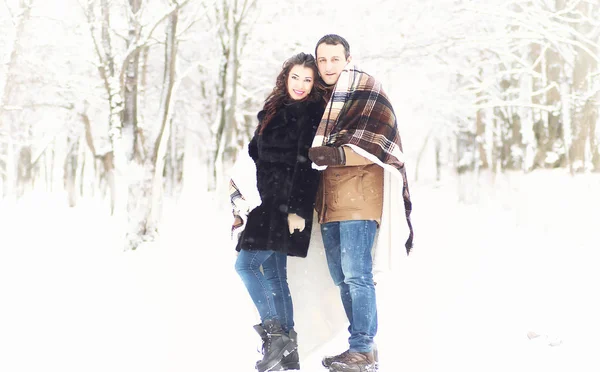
column 280, row 97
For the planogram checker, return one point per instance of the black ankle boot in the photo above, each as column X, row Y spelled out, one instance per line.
column 276, row 348
column 263, row 335
column 292, row 361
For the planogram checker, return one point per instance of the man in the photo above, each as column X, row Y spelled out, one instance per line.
column 356, row 142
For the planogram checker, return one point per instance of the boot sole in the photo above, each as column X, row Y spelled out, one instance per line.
column 338, row 367
column 286, row 367
column 283, row 366
column 277, row 362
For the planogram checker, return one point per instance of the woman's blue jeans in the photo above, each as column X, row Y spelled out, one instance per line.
column 348, row 249
column 268, row 289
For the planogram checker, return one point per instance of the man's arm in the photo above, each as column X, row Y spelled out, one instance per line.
column 353, row 158
column 336, row 156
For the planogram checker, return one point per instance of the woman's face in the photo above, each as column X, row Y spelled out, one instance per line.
column 300, row 82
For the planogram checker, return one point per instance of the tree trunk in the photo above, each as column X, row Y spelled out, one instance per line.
column 140, row 141
column 516, row 141
column 222, row 116
column 231, row 131
column 24, row 171
column 566, row 118
column 52, row 150
column 7, row 163
column 548, row 130
column 590, row 112
column 554, row 71
column 480, row 139
column 438, row 159
column 113, row 161
column 527, row 125
column 422, row 152
column 583, row 115
column 555, row 74
column 173, row 165
column 110, row 178
column 232, row 17
column 115, row 164
column 81, row 171
column 540, row 122
column 106, row 40
column 153, row 216
column 130, row 88
column 70, row 171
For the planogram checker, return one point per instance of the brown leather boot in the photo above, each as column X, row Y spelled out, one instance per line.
column 355, row 362
column 328, row 360
column 334, row 358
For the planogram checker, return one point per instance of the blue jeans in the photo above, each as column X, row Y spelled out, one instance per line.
column 268, row 289
column 348, row 249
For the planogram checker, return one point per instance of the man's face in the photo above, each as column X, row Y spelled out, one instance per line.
column 331, row 60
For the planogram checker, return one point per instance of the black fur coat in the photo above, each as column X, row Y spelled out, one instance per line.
column 285, row 179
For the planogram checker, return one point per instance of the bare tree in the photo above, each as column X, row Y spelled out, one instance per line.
column 584, row 149
column 514, row 57
column 232, row 19
column 130, row 131
column 160, row 148
column 132, row 165
column 7, row 147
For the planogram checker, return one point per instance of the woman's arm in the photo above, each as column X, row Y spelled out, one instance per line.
column 305, row 180
column 253, row 148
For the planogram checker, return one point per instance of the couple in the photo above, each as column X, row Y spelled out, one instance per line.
column 326, row 134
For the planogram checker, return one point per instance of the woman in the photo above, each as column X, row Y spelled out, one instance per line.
column 281, row 224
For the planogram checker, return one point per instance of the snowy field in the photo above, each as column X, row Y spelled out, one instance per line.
column 519, row 255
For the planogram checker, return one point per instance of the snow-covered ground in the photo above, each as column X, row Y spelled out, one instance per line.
column 519, row 256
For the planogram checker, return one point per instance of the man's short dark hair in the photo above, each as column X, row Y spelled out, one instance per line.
column 333, row 39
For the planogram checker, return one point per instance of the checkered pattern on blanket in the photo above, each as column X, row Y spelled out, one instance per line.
column 359, row 113
column 235, row 196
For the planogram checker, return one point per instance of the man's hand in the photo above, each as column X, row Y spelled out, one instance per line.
column 295, row 222
column 327, row 155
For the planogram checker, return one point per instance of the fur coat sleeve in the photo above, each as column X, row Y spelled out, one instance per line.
column 305, row 179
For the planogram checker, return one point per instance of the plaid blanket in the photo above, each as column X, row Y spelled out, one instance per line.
column 237, row 199
column 359, row 114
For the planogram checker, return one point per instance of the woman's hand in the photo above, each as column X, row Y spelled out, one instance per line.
column 295, row 222
column 237, row 222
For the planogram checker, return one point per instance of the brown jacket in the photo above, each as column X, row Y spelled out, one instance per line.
column 351, row 192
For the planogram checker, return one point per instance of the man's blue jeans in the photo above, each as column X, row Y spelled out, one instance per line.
column 348, row 249
column 268, row 289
